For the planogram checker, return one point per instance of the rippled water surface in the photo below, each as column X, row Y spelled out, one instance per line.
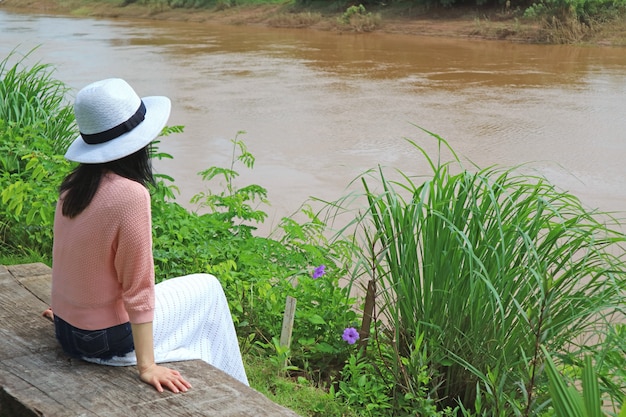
column 319, row 108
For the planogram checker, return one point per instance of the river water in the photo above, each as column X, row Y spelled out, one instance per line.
column 320, row 108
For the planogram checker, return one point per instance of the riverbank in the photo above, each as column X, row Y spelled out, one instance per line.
column 492, row 24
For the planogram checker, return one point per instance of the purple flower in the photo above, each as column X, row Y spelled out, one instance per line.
column 319, row 271
column 350, row 335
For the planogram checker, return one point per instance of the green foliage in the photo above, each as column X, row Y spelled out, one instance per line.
column 363, row 389
column 30, row 173
column 278, row 356
column 324, row 311
column 165, row 189
column 355, row 16
column 359, row 19
column 610, row 358
column 35, row 126
column 584, row 11
column 567, row 401
column 353, row 11
column 259, row 273
column 295, row 393
column 369, row 386
column 488, row 266
column 233, row 204
column 30, row 96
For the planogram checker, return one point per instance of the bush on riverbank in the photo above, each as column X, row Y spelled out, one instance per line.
column 472, row 275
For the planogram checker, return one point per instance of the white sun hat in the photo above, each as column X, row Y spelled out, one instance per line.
column 114, row 122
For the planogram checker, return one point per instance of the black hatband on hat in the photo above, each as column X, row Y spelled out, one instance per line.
column 117, row 131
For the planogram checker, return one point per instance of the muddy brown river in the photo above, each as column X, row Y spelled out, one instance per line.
column 319, row 108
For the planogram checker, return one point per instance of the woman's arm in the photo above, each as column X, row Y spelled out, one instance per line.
column 149, row 371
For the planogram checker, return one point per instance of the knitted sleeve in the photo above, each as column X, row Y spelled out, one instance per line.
column 133, row 256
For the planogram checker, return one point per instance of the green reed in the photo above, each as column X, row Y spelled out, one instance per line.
column 487, row 267
column 30, row 96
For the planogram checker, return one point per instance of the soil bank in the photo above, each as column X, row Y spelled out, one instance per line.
column 492, row 24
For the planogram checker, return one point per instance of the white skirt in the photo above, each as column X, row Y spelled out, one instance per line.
column 191, row 321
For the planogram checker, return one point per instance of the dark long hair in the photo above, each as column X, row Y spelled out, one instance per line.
column 81, row 184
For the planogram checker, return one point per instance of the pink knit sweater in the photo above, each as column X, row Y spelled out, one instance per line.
column 102, row 265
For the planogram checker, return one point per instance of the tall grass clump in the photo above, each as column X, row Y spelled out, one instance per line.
column 476, row 272
column 31, row 97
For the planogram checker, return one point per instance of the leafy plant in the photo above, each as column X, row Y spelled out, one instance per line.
column 29, row 179
column 368, row 386
column 233, row 205
column 363, row 389
column 36, row 124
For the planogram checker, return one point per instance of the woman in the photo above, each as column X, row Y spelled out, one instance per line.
column 106, row 307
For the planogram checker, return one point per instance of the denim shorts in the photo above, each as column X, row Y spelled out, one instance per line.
column 101, row 344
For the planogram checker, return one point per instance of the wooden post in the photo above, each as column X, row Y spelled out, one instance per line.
column 368, row 312
column 288, row 317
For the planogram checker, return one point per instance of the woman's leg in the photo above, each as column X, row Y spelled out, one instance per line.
column 192, row 321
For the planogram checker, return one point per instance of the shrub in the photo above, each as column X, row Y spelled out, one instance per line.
column 30, row 173
column 359, row 19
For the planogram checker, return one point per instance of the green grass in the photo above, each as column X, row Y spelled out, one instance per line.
column 31, row 96
column 296, row 394
column 6, row 259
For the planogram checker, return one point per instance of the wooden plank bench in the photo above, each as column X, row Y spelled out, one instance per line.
column 38, row 379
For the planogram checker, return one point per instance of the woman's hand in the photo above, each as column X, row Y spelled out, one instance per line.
column 149, row 372
column 160, row 376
